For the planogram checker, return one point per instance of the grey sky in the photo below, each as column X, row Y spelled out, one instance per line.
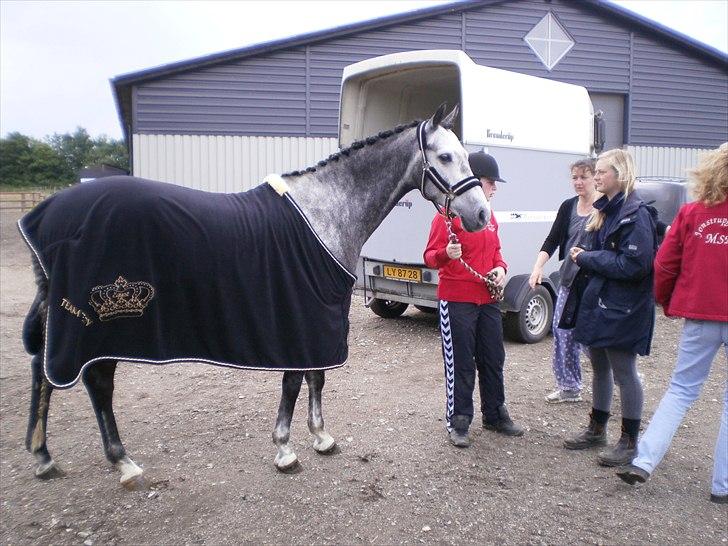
column 56, row 58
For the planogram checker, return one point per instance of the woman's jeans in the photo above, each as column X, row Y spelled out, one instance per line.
column 699, row 343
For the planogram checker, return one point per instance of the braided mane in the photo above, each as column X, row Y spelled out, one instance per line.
column 359, row 144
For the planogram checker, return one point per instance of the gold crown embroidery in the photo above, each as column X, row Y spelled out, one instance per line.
column 122, row 299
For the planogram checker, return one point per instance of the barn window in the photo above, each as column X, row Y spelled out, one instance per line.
column 549, row 40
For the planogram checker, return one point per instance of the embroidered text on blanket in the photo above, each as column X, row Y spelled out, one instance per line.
column 76, row 312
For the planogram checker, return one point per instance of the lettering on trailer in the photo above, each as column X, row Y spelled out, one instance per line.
column 407, row 204
column 499, row 134
column 524, row 216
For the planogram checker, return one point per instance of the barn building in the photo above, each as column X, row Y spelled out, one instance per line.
column 222, row 122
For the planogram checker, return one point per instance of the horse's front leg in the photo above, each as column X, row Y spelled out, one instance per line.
column 35, row 439
column 99, row 381
column 323, row 441
column 286, row 460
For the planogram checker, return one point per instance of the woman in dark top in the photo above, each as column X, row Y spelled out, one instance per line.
column 615, row 314
column 564, row 234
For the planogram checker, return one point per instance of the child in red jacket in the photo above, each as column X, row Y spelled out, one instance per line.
column 470, row 319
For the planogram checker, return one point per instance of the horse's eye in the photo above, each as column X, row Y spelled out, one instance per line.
column 445, row 158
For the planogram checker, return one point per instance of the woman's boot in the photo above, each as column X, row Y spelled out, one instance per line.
column 626, row 448
column 594, row 435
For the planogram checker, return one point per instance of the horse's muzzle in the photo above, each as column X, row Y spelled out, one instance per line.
column 476, row 221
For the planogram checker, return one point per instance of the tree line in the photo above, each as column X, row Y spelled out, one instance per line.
column 56, row 159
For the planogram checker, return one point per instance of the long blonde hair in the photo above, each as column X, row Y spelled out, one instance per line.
column 622, row 164
column 710, row 177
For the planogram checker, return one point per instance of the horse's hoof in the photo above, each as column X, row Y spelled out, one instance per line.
column 333, row 449
column 325, row 445
column 287, row 462
column 132, row 475
column 49, row 471
column 135, row 483
column 293, row 468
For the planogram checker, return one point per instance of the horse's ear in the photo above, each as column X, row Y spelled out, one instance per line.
column 437, row 117
column 448, row 121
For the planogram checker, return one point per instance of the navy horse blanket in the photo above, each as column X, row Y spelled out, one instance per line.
column 152, row 272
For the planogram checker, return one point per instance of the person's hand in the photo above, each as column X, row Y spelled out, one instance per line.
column 536, row 277
column 500, row 275
column 454, row 250
column 574, row 252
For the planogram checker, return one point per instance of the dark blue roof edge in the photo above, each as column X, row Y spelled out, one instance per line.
column 294, row 41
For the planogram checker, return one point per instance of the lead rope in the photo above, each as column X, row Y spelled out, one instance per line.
column 496, row 292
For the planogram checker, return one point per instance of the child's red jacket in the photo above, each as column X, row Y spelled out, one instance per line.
column 481, row 250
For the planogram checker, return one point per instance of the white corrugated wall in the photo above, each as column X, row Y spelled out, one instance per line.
column 238, row 163
column 662, row 161
column 224, row 163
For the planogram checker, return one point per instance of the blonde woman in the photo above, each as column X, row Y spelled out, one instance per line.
column 615, row 316
column 691, row 281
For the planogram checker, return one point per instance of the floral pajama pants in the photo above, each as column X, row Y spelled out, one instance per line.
column 566, row 365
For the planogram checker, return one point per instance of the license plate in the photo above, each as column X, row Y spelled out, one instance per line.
column 411, row 274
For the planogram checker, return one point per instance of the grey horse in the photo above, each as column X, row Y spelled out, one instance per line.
column 344, row 198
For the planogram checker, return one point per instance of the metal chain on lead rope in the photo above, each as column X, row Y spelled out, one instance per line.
column 496, row 292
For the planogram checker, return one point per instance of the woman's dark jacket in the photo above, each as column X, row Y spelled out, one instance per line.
column 617, row 307
column 559, row 233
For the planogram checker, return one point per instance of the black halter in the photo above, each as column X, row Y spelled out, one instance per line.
column 430, row 173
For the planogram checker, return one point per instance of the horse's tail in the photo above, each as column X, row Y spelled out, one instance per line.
column 35, row 319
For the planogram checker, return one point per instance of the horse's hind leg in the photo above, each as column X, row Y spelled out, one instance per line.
column 323, row 441
column 35, row 439
column 41, row 389
column 286, row 460
column 99, row 381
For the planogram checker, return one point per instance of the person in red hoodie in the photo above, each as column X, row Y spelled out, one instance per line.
column 470, row 319
column 691, row 281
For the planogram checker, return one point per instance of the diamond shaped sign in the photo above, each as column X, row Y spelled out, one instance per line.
column 549, row 41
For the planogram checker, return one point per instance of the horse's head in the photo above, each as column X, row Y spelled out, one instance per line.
column 447, row 179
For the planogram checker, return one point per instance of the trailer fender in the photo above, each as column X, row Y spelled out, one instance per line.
column 517, row 290
column 514, row 293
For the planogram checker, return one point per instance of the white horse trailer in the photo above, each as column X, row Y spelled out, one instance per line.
column 534, row 127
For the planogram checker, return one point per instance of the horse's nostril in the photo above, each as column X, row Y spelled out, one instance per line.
column 482, row 217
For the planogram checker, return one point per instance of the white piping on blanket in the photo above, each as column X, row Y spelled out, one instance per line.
column 281, row 188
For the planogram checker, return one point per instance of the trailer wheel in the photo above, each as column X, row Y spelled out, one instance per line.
column 425, row 309
column 533, row 322
column 388, row 308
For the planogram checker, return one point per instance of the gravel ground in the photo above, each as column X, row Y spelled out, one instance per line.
column 203, row 437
